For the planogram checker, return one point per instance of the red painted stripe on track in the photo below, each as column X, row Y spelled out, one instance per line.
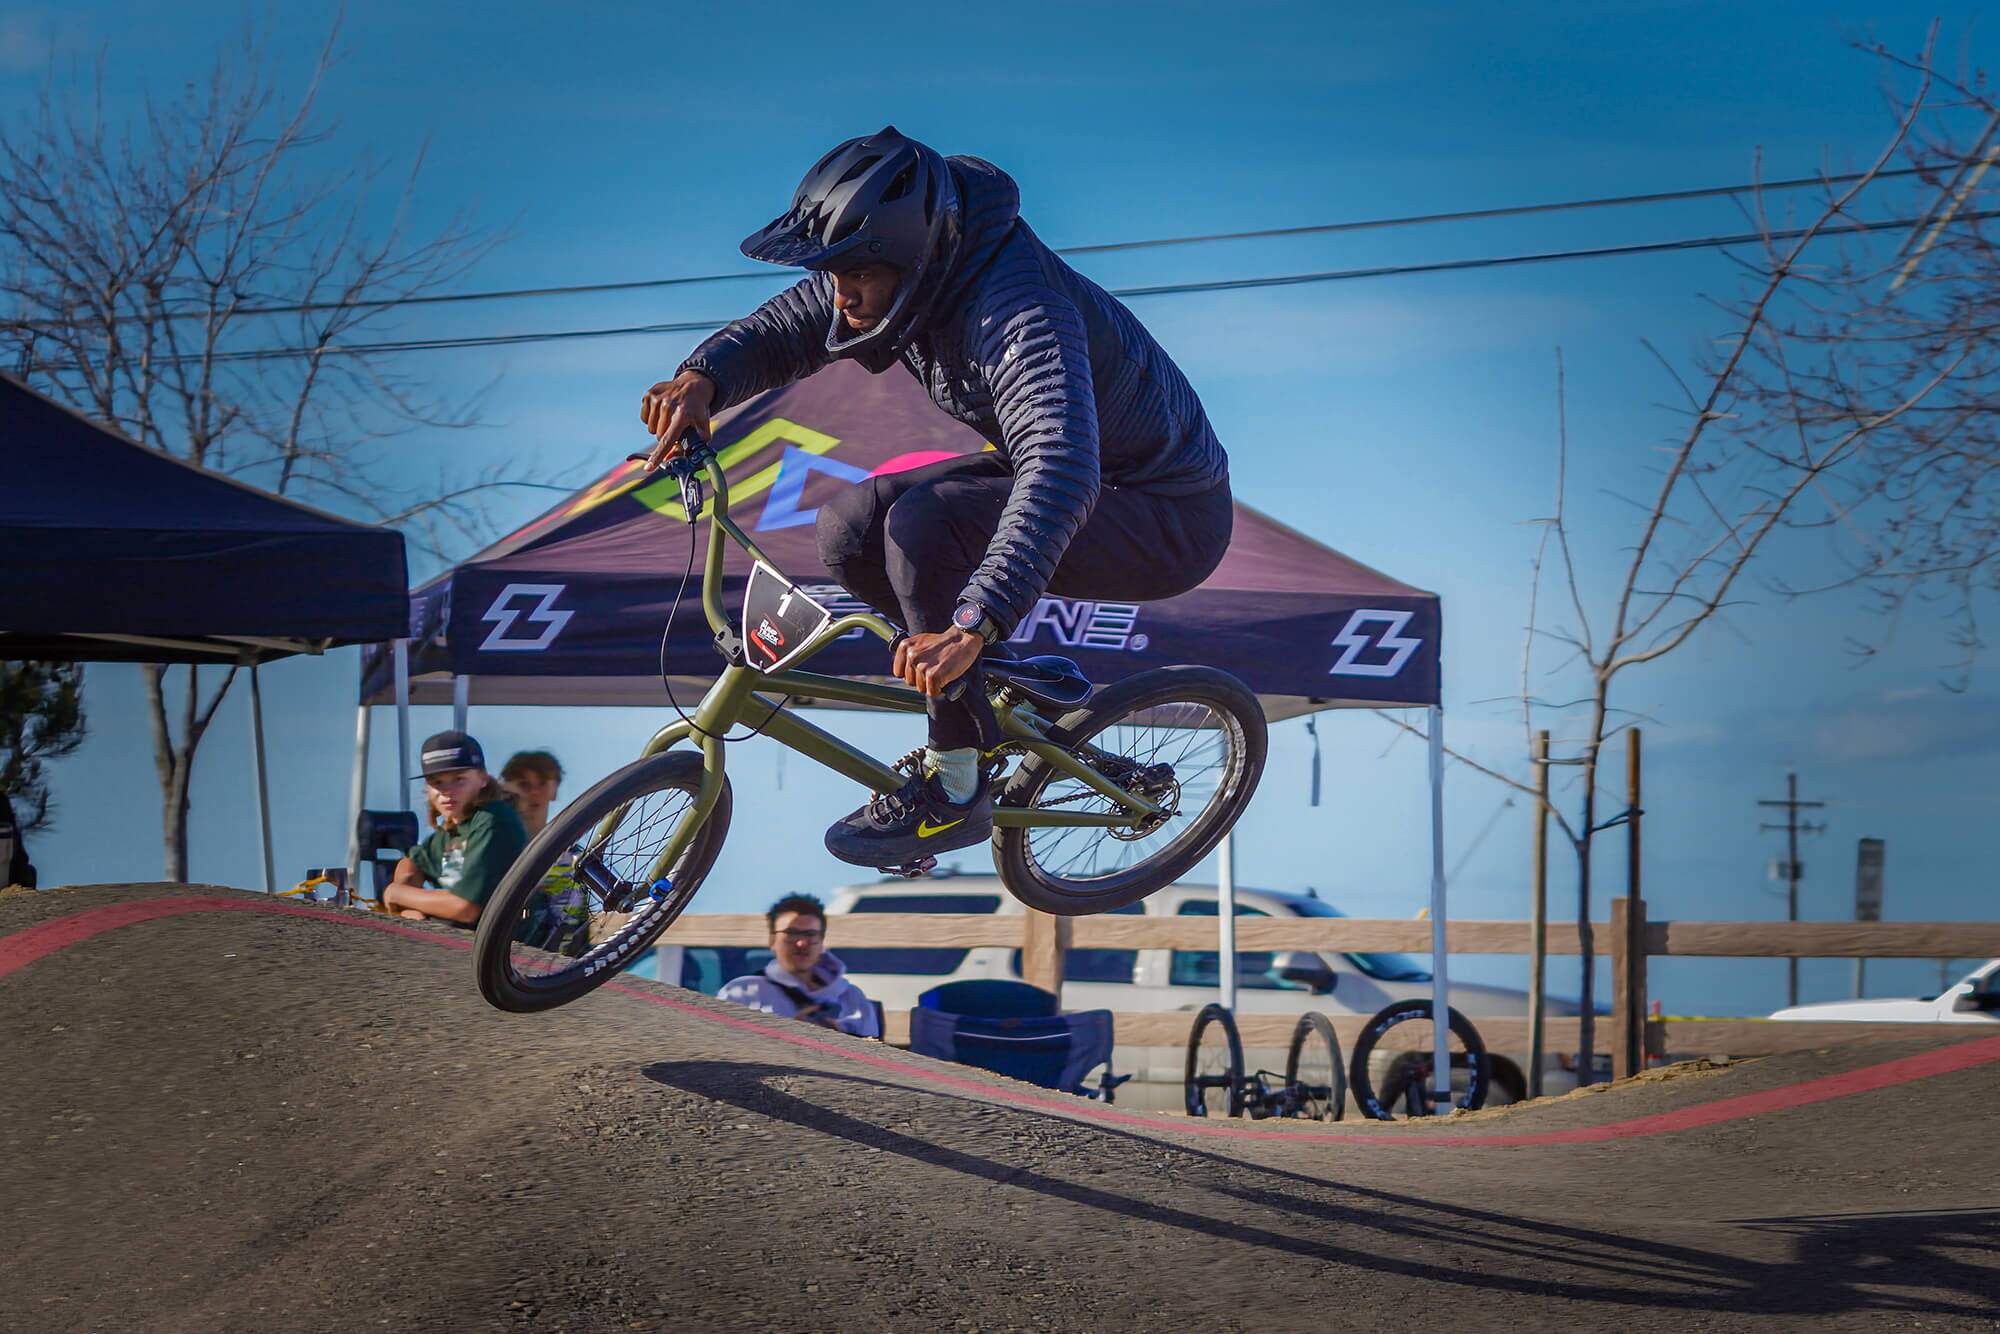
column 24, row 947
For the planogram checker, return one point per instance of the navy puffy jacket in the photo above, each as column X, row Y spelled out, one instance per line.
column 1031, row 354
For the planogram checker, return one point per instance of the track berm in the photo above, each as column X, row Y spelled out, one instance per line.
column 223, row 1113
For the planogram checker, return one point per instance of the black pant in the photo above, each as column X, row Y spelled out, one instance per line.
column 906, row 543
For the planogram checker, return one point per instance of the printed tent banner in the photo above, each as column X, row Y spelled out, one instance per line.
column 570, row 608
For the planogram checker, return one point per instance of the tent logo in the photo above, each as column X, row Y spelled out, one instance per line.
column 1353, row 639
column 1106, row 625
column 544, row 613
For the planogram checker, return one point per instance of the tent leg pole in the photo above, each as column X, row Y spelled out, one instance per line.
column 461, row 701
column 263, row 779
column 1441, row 996
column 1225, row 920
column 357, row 800
column 403, row 724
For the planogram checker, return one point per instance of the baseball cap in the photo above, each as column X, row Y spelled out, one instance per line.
column 451, row 750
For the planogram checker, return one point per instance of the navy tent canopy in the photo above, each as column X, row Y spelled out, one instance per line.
column 569, row 609
column 110, row 551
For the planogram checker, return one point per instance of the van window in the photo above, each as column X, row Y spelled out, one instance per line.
column 1379, row 964
column 1203, row 968
column 920, row 962
column 707, row 968
column 1095, row 965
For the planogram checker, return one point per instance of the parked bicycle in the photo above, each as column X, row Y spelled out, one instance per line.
column 1313, row 1087
column 1103, row 795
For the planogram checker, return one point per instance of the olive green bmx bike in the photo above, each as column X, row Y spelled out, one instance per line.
column 1101, row 796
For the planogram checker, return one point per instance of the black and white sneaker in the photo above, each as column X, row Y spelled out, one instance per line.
column 914, row 822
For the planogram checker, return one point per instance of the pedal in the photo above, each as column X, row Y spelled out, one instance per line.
column 922, row 866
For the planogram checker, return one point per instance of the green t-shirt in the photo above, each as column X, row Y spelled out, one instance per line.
column 468, row 861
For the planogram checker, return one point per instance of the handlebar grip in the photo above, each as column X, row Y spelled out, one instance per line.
column 956, row 690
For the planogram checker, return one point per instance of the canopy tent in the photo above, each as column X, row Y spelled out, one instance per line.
column 570, row 609
column 112, row 552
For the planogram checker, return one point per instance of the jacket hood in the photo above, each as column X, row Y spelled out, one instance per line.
column 828, row 980
column 989, row 206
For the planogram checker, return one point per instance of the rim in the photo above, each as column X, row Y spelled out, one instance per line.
column 573, row 922
column 1202, row 744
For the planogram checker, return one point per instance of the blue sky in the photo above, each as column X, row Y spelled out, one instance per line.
column 1410, row 423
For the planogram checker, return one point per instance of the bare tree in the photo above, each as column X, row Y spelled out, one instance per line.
column 194, row 278
column 1902, row 314
column 1758, row 451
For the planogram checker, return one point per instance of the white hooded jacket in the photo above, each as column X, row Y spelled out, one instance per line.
column 776, row 991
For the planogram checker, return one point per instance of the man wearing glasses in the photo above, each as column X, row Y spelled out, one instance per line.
column 804, row 980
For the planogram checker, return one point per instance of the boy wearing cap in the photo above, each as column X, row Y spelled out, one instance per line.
column 477, row 835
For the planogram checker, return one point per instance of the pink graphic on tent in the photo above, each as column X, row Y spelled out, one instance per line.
column 916, row 458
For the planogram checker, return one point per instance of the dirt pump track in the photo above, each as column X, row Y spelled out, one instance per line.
column 226, row 1113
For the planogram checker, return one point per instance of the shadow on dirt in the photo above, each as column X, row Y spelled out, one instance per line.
column 1920, row 1263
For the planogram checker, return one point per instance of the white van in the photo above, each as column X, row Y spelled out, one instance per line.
column 1267, row 982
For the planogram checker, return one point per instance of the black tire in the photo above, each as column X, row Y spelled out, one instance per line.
column 1313, row 1069
column 513, row 976
column 1214, row 1080
column 1182, row 713
column 1408, row 1071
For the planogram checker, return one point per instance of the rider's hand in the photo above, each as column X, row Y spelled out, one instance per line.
column 670, row 407
column 931, row 662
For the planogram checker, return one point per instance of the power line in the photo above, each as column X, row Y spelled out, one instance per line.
column 1108, row 247
column 1163, row 289
column 1483, row 214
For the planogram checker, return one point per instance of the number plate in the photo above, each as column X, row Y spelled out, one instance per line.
column 778, row 620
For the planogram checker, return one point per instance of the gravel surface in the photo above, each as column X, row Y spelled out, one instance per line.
column 224, row 1121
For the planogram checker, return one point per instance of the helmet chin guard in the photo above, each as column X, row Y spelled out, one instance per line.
column 880, row 199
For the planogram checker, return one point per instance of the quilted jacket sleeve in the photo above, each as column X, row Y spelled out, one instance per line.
column 1035, row 356
column 781, row 341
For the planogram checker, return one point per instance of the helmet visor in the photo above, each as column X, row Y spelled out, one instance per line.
column 786, row 241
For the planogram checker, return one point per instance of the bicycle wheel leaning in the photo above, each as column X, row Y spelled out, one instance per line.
column 1313, row 1070
column 1214, row 1083
column 616, row 831
column 1189, row 739
column 1409, row 1062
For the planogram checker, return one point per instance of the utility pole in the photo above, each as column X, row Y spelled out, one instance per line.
column 1793, row 870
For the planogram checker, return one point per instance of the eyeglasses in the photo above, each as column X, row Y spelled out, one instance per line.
column 798, row 937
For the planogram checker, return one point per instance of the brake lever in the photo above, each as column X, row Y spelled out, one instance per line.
column 686, row 466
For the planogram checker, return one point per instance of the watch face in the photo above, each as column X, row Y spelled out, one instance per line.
column 968, row 617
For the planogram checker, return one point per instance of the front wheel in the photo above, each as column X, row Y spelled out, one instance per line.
column 1191, row 740
column 595, row 864
column 1313, row 1072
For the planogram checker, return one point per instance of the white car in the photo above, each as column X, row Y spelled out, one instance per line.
column 1974, row 1000
column 1268, row 982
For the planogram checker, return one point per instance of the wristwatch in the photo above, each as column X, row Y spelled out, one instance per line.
column 972, row 618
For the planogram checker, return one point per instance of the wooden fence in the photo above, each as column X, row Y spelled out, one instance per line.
column 1628, row 939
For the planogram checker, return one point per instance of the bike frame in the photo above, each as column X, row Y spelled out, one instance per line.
column 741, row 694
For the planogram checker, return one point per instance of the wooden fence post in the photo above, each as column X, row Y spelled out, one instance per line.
column 1621, row 990
column 1044, row 944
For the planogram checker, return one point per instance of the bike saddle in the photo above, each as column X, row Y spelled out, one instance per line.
column 1049, row 680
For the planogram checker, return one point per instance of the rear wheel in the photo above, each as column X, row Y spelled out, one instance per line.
column 1189, row 739
column 1214, row 1083
column 1395, row 1060
column 602, row 849
column 1313, row 1071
